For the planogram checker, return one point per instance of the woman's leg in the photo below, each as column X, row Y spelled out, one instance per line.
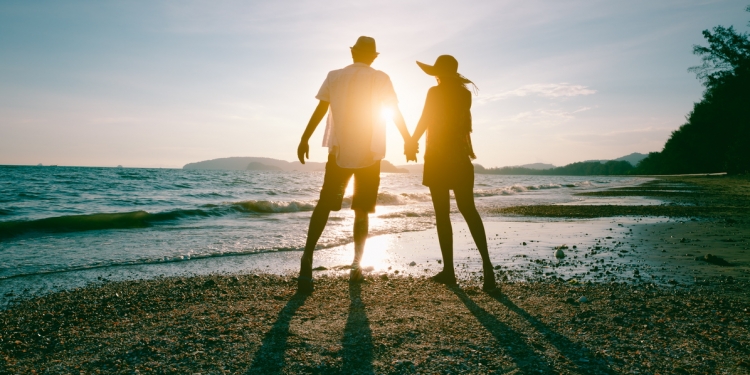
column 442, row 204
column 465, row 203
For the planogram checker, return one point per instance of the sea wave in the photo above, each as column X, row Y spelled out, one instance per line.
column 386, row 198
column 515, row 189
column 143, row 219
column 405, row 214
column 272, row 207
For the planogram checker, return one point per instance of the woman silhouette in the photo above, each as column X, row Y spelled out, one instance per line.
column 447, row 162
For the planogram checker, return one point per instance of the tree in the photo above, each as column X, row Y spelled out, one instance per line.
column 716, row 135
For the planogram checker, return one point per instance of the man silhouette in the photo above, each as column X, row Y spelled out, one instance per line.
column 358, row 97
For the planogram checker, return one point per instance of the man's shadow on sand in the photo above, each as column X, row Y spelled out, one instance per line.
column 357, row 347
column 269, row 359
column 526, row 358
column 357, row 351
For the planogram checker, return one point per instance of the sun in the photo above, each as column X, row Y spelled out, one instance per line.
column 387, row 113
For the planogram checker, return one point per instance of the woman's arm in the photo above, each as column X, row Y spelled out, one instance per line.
column 424, row 120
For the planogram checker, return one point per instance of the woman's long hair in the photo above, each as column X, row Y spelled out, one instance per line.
column 466, row 123
column 461, row 81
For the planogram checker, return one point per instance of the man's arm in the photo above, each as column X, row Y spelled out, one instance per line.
column 303, row 150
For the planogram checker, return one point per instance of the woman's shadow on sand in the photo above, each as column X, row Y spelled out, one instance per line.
column 525, row 356
column 357, row 346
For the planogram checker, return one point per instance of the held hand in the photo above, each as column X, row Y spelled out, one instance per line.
column 411, row 149
column 303, row 151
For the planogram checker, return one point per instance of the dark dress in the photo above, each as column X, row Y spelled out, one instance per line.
column 447, row 159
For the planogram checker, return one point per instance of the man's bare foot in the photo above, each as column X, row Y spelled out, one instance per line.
column 305, row 285
column 444, row 278
column 355, row 275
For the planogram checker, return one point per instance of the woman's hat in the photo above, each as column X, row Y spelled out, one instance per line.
column 366, row 45
column 445, row 66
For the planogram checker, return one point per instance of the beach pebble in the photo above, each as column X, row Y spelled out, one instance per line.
column 559, row 253
column 583, row 299
column 413, row 263
column 209, row 283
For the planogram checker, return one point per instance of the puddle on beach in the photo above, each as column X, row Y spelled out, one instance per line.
column 622, row 249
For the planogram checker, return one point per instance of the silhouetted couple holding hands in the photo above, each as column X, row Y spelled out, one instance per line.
column 357, row 97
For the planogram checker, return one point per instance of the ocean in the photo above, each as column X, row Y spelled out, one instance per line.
column 66, row 219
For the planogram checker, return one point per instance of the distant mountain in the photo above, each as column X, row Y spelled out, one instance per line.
column 267, row 164
column 255, row 166
column 633, row 159
column 537, row 166
column 242, row 164
column 412, row 168
column 387, row 167
column 419, row 168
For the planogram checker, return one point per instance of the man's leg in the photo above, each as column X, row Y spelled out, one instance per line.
column 361, row 228
column 366, row 184
column 318, row 223
column 331, row 195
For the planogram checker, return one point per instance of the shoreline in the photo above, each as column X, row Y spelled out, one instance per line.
column 522, row 251
column 633, row 294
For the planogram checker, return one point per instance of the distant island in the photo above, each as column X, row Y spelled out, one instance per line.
column 249, row 163
column 620, row 166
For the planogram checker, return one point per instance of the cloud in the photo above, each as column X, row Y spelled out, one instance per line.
column 545, row 90
column 543, row 118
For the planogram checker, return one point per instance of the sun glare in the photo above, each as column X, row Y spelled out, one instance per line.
column 387, row 114
column 376, row 253
column 349, row 188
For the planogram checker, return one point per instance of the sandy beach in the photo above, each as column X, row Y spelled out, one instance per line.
column 642, row 289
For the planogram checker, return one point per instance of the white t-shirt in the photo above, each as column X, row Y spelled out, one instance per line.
column 355, row 129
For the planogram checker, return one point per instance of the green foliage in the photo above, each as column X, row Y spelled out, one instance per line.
column 727, row 53
column 716, row 135
column 585, row 168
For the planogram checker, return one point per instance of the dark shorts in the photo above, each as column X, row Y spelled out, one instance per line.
column 366, row 184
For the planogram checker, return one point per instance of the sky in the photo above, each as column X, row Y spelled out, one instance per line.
column 166, row 83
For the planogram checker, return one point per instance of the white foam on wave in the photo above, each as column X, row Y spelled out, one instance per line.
column 515, row 189
column 386, row 198
column 262, row 206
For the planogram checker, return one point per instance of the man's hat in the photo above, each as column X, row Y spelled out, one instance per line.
column 365, row 44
